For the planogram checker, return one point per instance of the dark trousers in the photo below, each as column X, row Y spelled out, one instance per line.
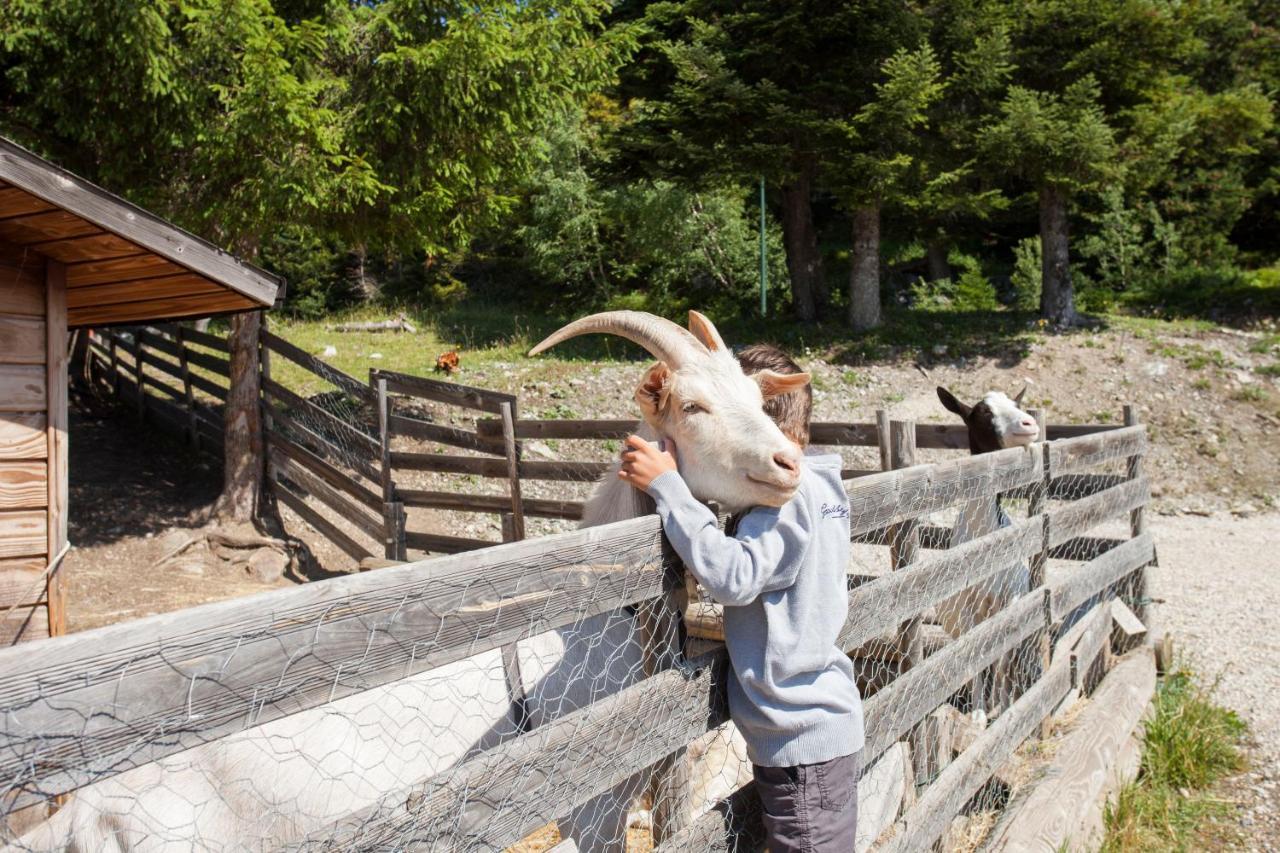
column 811, row 808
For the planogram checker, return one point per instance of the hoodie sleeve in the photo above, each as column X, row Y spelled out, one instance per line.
column 765, row 554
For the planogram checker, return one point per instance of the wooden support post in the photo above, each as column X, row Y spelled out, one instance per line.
column 56, row 426
column 513, row 468
column 1038, row 505
column 1135, row 588
column 137, row 372
column 115, row 363
column 193, row 430
column 882, row 439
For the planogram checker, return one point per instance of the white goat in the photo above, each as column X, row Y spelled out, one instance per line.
column 273, row 784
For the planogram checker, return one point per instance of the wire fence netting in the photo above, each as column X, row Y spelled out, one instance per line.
column 569, row 686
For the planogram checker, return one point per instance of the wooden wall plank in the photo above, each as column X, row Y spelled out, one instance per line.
column 23, row 485
column 44, row 226
column 87, row 273
column 16, row 202
column 22, row 435
column 22, row 340
column 173, row 307
column 23, row 533
column 141, row 290
column 88, row 247
column 22, row 286
column 24, row 624
column 22, row 388
column 20, row 581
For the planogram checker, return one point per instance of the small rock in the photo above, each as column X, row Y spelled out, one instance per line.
column 329, row 351
column 267, row 565
column 193, row 565
column 1155, row 368
column 171, row 541
column 537, row 448
column 939, row 349
column 375, row 355
column 1244, row 510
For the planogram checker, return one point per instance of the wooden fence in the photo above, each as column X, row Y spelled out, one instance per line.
column 287, row 645
column 88, row 706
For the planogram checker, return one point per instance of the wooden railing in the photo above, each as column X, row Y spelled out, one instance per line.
column 94, row 704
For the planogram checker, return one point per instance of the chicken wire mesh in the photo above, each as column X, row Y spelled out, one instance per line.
column 571, row 690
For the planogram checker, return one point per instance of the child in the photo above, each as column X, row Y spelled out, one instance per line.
column 781, row 574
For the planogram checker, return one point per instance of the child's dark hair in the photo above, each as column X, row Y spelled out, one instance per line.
column 790, row 411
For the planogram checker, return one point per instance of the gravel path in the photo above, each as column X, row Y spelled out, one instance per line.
column 1219, row 578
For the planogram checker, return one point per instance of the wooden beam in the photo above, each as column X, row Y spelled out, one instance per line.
column 444, row 392
column 131, row 268
column 173, row 307
column 309, row 362
column 1085, row 581
column 1079, row 517
column 1080, row 454
column 57, row 479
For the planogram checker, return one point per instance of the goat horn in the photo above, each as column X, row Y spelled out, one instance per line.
column 664, row 340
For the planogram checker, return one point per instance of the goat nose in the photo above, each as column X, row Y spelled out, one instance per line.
column 1029, row 422
column 787, row 462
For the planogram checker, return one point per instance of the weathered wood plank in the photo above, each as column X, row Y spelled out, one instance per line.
column 560, row 429
column 23, row 485
column 438, row 543
column 330, row 374
column 204, row 339
column 173, row 307
column 444, row 392
column 1076, row 518
column 877, row 608
column 16, row 202
column 497, row 468
column 1056, row 813
column 331, row 531
column 142, row 290
column 497, row 798
column 942, row 800
column 58, row 424
column 1085, row 581
column 24, row 624
column 132, row 268
column 88, row 247
column 838, row 434
column 130, row 693
column 22, row 340
column 304, row 408
column 893, row 711
column 1060, row 431
column 22, row 388
column 1087, row 451
column 22, row 288
column 21, row 581
column 23, row 533
column 537, row 507
column 1084, row 548
column 22, row 435
column 878, row 499
column 442, row 433
column 323, row 492
column 44, row 226
column 81, row 198
column 333, row 476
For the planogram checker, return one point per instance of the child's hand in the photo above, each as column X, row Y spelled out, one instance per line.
column 642, row 462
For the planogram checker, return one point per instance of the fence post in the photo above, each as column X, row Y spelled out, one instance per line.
column 393, row 516
column 904, row 549
column 188, row 394
column 513, row 469
column 115, row 363
column 661, row 629
column 1135, row 586
column 1039, row 505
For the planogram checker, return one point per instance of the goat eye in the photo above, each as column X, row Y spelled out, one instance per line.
column 692, row 408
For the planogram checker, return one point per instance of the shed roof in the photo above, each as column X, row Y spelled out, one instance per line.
column 124, row 265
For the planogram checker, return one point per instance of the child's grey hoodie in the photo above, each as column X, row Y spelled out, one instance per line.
column 782, row 579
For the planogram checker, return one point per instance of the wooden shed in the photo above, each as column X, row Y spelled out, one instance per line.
column 73, row 255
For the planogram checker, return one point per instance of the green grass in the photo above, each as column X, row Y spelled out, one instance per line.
column 1189, row 743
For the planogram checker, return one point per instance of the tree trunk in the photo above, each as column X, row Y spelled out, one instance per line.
column 936, row 255
column 1057, row 296
column 244, row 463
column 804, row 261
column 864, row 269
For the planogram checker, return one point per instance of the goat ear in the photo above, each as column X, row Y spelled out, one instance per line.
column 774, row 384
column 1017, row 401
column 653, row 390
column 949, row 400
column 705, row 331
